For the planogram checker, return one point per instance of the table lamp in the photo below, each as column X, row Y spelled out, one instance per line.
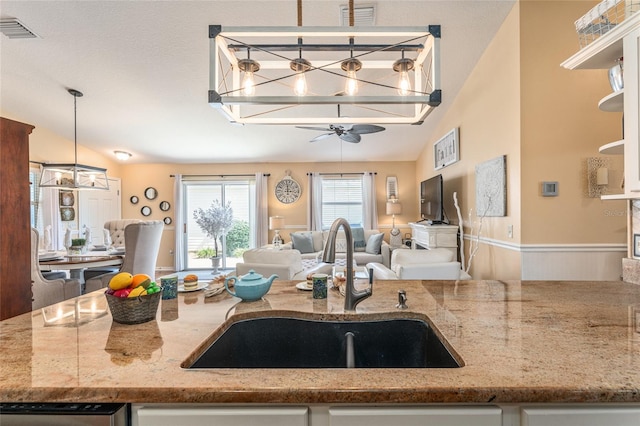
column 394, row 208
column 275, row 224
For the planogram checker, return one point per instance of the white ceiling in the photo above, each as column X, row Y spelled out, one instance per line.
column 143, row 67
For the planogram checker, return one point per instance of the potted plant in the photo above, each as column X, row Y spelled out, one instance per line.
column 215, row 222
column 78, row 246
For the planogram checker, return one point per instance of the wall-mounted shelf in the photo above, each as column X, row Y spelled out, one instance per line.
column 613, row 148
column 602, row 53
column 613, row 102
column 615, row 197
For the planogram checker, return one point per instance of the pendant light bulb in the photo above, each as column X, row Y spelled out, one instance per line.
column 351, row 66
column 402, row 67
column 404, row 84
column 248, row 66
column 300, row 66
column 248, row 84
column 300, row 86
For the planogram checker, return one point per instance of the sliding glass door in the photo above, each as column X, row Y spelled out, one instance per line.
column 198, row 247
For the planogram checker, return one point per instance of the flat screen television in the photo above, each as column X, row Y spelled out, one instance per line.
column 431, row 200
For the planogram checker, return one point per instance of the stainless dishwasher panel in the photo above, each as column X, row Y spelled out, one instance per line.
column 63, row 414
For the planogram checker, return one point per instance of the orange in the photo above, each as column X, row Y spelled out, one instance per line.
column 140, row 279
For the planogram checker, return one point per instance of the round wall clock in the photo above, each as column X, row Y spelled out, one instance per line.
column 288, row 190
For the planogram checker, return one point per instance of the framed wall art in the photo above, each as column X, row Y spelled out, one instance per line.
column 446, row 150
column 67, row 214
column 67, row 198
column 491, row 187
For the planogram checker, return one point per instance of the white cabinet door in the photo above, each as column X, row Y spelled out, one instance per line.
column 418, row 416
column 597, row 416
column 221, row 416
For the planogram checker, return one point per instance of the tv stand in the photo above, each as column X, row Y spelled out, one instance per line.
column 430, row 236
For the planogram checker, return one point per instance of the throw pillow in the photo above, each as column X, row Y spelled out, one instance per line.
column 359, row 244
column 302, row 242
column 374, row 244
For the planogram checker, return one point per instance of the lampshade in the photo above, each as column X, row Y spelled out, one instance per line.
column 276, row 222
column 394, row 208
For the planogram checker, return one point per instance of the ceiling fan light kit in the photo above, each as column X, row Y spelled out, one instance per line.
column 358, row 68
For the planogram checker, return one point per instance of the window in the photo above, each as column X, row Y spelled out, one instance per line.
column 198, row 247
column 342, row 197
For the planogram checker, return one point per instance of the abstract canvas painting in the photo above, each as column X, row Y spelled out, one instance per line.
column 491, row 187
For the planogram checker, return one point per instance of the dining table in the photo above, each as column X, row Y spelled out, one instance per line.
column 76, row 263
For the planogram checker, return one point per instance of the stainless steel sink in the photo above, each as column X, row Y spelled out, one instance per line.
column 277, row 342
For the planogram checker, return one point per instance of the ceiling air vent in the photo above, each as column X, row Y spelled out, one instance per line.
column 13, row 28
column 363, row 16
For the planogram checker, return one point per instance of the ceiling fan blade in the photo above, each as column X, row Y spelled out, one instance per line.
column 321, row 129
column 350, row 137
column 362, row 129
column 324, row 136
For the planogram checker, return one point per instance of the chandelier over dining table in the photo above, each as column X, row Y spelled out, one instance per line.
column 319, row 75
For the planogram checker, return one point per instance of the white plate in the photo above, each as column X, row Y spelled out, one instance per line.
column 201, row 285
column 303, row 286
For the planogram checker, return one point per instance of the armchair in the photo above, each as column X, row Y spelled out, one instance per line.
column 48, row 291
column 435, row 264
column 142, row 242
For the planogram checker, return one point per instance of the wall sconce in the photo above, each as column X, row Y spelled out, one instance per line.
column 600, row 172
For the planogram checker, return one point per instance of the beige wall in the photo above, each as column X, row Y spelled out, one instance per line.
column 487, row 112
column 46, row 146
column 561, row 128
column 520, row 103
column 137, row 177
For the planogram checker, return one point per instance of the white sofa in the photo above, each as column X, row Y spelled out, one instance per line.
column 360, row 255
column 435, row 264
column 286, row 264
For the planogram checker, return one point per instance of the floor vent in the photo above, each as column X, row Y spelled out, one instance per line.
column 13, row 28
column 363, row 16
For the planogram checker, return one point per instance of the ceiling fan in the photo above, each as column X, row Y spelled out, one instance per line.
column 348, row 133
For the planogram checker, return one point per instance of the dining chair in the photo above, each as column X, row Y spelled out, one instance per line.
column 142, row 243
column 48, row 291
column 115, row 230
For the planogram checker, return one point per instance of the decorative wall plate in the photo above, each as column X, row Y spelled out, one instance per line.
column 167, row 220
column 146, row 211
column 150, row 193
column 134, row 199
column 165, row 206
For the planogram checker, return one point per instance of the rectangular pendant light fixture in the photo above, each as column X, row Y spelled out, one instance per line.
column 319, row 75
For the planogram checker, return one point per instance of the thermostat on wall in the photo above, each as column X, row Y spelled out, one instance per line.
column 549, row 189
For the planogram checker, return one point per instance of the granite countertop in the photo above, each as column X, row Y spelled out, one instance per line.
column 519, row 341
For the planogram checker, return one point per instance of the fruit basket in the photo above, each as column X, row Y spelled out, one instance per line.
column 133, row 310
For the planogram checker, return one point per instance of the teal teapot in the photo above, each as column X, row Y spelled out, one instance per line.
column 251, row 286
